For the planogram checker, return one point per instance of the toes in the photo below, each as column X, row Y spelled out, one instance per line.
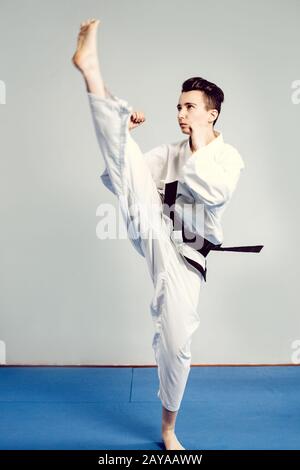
column 95, row 22
column 87, row 23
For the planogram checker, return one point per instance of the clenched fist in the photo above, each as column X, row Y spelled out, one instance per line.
column 136, row 119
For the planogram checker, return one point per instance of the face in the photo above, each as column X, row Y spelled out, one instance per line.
column 191, row 110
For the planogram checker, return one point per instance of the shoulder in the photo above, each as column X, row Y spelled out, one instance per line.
column 159, row 151
column 230, row 155
column 175, row 146
column 165, row 150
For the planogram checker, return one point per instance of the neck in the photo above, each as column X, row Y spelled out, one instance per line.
column 203, row 139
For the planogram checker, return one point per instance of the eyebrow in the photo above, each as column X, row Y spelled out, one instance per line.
column 184, row 104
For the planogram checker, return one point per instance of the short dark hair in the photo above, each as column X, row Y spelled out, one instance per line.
column 213, row 95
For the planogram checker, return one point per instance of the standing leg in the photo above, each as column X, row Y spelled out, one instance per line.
column 175, row 314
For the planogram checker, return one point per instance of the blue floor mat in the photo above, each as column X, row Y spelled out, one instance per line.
column 234, row 407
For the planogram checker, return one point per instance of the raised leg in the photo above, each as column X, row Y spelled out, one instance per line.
column 127, row 169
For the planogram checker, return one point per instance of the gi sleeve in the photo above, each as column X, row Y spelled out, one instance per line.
column 211, row 179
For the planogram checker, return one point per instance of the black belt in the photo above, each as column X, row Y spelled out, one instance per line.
column 195, row 240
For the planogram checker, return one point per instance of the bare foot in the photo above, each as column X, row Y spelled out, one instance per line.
column 170, row 440
column 85, row 57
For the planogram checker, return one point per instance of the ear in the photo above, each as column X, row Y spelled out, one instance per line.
column 213, row 114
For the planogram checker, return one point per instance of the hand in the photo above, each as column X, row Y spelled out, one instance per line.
column 136, row 119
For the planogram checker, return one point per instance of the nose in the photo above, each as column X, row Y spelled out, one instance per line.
column 181, row 117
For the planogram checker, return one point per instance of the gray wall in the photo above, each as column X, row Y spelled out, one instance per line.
column 68, row 297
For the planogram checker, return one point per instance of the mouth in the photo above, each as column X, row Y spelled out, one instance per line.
column 181, row 125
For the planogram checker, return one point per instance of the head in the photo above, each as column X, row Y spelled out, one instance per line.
column 199, row 103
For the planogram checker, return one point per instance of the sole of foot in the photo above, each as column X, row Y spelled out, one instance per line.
column 85, row 56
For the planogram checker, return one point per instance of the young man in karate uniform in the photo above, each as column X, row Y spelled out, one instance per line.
column 154, row 190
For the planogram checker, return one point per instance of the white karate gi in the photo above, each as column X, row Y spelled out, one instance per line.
column 209, row 177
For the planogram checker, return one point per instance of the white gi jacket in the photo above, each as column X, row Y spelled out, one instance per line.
column 206, row 180
column 208, row 177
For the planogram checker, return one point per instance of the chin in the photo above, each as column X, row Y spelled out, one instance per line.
column 185, row 130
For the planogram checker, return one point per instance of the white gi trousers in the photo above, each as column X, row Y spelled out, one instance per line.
column 176, row 283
